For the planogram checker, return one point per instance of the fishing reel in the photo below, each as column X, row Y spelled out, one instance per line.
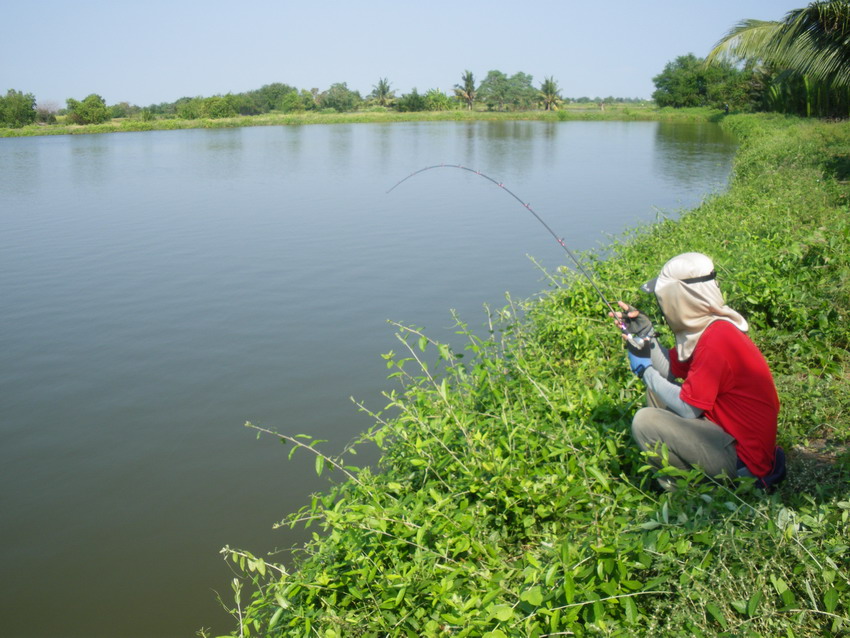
column 635, row 341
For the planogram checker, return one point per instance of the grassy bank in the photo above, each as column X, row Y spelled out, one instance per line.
column 510, row 500
column 614, row 112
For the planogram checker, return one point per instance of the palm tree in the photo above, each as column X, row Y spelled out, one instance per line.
column 381, row 92
column 812, row 42
column 550, row 94
column 466, row 91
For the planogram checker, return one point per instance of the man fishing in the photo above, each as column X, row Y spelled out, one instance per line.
column 722, row 417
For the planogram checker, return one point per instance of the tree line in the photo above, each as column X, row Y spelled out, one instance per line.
column 799, row 65
column 496, row 92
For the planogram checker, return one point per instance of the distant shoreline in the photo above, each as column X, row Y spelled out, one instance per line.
column 614, row 112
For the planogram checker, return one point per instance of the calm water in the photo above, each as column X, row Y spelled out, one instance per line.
column 159, row 289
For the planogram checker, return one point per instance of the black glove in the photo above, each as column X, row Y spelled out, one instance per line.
column 639, row 328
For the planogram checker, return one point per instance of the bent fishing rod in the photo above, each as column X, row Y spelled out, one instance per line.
column 635, row 340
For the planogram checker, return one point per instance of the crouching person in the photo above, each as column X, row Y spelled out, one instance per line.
column 722, row 417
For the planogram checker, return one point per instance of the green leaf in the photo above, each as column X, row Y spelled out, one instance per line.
column 533, row 596
column 320, row 465
column 501, row 612
column 275, row 618
column 595, row 471
column 830, row 600
column 784, row 592
column 715, row 612
column 389, row 604
column 496, row 633
column 752, row 604
column 569, row 588
column 631, row 610
column 489, row 596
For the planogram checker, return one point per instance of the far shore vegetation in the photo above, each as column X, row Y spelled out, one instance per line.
column 615, row 111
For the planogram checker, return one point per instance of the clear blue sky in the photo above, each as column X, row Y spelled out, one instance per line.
column 152, row 51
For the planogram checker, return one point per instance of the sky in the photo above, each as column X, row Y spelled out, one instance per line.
column 160, row 50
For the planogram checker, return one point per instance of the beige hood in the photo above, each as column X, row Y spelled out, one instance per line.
column 690, row 299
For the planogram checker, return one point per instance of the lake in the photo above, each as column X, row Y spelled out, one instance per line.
column 159, row 289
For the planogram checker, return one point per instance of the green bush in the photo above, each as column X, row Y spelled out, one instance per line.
column 217, row 107
column 17, row 109
column 92, row 110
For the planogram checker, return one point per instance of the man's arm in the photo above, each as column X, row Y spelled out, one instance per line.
column 669, row 393
column 660, row 359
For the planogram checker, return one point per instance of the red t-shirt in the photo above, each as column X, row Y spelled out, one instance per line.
column 728, row 379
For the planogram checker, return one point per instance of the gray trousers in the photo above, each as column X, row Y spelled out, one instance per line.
column 690, row 442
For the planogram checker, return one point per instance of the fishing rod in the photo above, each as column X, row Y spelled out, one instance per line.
column 635, row 340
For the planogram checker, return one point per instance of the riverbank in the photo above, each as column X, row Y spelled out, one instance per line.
column 510, row 499
column 621, row 112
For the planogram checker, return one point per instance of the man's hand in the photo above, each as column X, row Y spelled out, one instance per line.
column 637, row 325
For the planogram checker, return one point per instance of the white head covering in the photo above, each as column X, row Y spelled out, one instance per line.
column 691, row 300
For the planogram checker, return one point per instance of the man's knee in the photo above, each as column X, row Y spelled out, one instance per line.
column 644, row 430
column 649, row 433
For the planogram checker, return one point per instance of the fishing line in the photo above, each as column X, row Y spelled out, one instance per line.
column 635, row 340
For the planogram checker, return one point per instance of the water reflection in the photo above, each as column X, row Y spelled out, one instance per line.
column 470, row 139
column 20, row 161
column 682, row 153
column 510, row 130
column 384, row 144
column 509, row 146
column 91, row 159
column 221, row 153
column 338, row 149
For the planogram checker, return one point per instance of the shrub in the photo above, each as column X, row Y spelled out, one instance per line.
column 92, row 110
column 17, row 109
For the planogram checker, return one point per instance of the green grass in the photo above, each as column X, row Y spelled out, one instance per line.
column 510, row 500
column 612, row 112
